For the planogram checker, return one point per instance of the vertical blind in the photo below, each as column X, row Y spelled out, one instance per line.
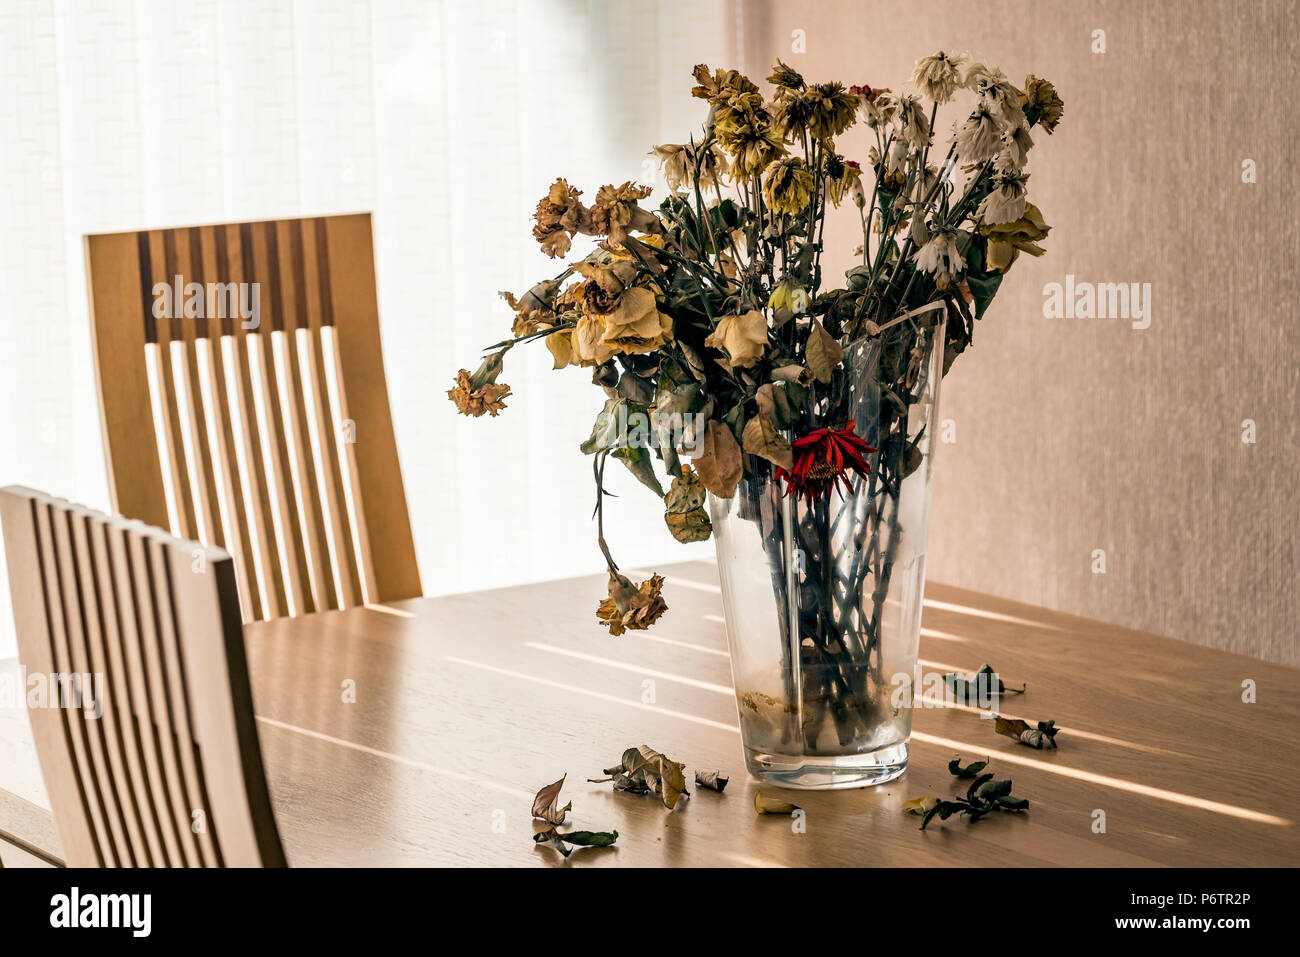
column 447, row 120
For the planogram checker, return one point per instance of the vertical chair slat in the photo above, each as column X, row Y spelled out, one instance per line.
column 296, row 572
column 309, row 278
column 28, row 551
column 69, row 661
column 162, row 250
column 135, row 603
column 106, row 735
column 152, row 607
column 240, row 256
column 191, row 783
column 117, row 603
column 193, row 328
column 288, row 296
column 208, row 250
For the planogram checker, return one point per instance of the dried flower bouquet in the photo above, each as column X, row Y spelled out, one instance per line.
column 705, row 322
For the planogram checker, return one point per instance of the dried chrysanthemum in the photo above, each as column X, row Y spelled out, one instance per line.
column 1042, row 105
column 720, row 84
column 745, row 129
column 833, row 110
column 785, row 79
column 1016, row 145
column 743, row 337
column 938, row 76
column 475, row 398
column 1006, row 203
column 788, row 186
column 995, row 90
column 941, row 257
column 560, row 216
column 615, row 212
column 980, row 136
column 631, row 607
column 845, row 180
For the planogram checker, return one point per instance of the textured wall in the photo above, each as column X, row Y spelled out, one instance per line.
column 1075, row 435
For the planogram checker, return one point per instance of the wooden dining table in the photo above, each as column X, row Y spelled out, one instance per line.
column 417, row 733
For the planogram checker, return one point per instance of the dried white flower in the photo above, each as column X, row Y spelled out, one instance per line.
column 938, row 76
column 916, row 125
column 940, row 257
column 1005, row 204
column 980, row 136
column 995, row 91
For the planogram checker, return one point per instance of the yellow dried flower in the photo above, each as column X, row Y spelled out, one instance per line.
column 1042, row 101
column 476, row 400
column 1008, row 240
column 788, row 186
column 630, row 606
column 616, row 212
column 833, row 109
column 559, row 217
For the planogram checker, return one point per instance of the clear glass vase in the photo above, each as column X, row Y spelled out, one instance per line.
column 823, row 599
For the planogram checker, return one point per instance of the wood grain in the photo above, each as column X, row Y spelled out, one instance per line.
column 466, row 705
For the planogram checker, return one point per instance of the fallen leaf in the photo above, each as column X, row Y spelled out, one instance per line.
column 921, row 805
column 546, row 801
column 713, row 780
column 644, row 770
column 558, row 840
column 767, row 805
column 1041, row 736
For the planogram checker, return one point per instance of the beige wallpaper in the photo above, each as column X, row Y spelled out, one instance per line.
column 1078, row 435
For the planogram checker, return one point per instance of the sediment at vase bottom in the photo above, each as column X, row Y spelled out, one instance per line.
column 817, row 772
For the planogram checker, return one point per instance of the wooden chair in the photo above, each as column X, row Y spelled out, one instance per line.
column 170, row 772
column 264, row 430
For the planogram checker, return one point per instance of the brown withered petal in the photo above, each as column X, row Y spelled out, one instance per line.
column 476, row 402
column 631, row 607
column 770, row 805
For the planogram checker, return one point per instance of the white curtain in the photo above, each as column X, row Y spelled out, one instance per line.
column 447, row 120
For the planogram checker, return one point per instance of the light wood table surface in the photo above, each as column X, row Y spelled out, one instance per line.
column 466, row 705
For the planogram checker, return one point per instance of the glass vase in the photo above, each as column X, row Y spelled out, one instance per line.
column 823, row 598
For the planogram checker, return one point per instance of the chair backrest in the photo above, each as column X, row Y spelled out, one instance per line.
column 138, row 690
column 244, row 404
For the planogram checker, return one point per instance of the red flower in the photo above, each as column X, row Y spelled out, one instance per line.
column 824, row 458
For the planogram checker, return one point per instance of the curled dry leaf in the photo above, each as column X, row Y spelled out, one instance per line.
column 971, row 770
column 719, row 464
column 921, row 805
column 644, row 770
column 713, row 780
column 1041, row 736
column 979, row 687
column 769, row 805
column 558, row 841
column 823, row 352
column 545, row 804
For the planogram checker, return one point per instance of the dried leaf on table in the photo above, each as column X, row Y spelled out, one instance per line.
column 1041, row 736
column 769, row 805
column 970, row 771
column 713, row 780
column 980, row 686
column 920, row 805
column 545, row 804
column 644, row 770
column 558, row 840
